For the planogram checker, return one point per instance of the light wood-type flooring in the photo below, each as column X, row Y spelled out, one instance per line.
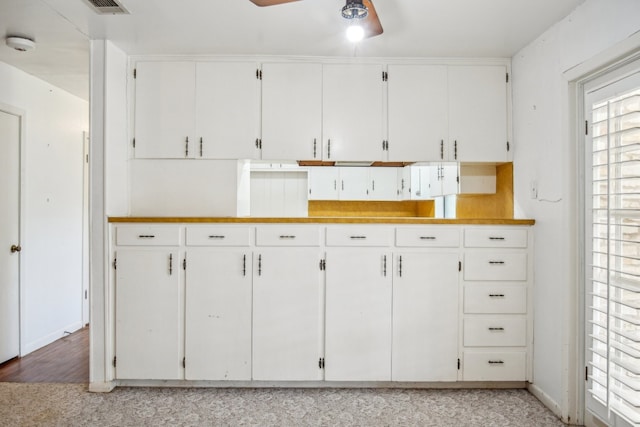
column 63, row 361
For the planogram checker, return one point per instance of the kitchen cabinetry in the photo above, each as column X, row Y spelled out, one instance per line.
column 218, row 307
column 323, row 183
column 425, row 304
column 287, row 304
column 443, row 179
column 292, row 111
column 196, row 110
column 496, row 329
column 352, row 112
column 148, row 304
column 358, row 304
column 353, row 183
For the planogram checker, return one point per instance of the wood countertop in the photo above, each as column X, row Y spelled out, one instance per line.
column 324, row 220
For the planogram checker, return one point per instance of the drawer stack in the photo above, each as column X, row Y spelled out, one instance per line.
column 495, row 329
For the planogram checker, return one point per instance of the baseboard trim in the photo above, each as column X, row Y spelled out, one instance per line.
column 102, row 387
column 324, row 384
column 49, row 338
column 546, row 400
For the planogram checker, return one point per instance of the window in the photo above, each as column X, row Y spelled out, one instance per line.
column 612, row 245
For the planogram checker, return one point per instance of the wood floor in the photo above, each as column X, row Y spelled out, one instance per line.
column 63, row 361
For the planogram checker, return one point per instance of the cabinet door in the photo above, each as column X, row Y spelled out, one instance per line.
column 425, row 317
column 352, row 112
column 218, row 314
column 164, row 110
column 291, row 111
column 478, row 113
column 149, row 342
column 418, row 104
column 358, row 315
column 449, row 178
column 227, row 110
column 384, row 183
column 323, row 183
column 287, row 319
column 354, row 183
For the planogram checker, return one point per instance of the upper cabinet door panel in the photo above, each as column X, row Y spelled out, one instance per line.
column 352, row 112
column 164, row 109
column 418, row 103
column 292, row 111
column 478, row 113
column 227, row 110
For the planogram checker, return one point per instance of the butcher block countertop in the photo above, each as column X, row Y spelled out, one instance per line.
column 324, row 220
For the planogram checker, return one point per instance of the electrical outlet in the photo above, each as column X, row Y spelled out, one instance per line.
column 533, row 189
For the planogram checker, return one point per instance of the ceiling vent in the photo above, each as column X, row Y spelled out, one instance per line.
column 107, row 7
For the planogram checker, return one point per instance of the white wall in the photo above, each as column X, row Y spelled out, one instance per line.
column 52, row 216
column 545, row 152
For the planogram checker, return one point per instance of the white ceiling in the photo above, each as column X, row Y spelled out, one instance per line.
column 412, row 28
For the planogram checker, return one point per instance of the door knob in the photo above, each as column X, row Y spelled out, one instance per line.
column 15, row 248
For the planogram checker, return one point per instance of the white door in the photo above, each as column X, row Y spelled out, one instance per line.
column 287, row 315
column 352, row 112
column 384, row 183
column 292, row 111
column 227, row 110
column 354, row 183
column 358, row 315
column 425, row 304
column 9, row 236
column 418, row 110
column 165, row 110
column 478, row 113
column 323, row 183
column 218, row 315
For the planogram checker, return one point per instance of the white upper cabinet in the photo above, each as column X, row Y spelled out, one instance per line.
column 196, row 110
column 292, row 111
column 478, row 113
column 417, row 105
column 227, row 110
column 164, row 109
column 352, row 112
column 323, row 183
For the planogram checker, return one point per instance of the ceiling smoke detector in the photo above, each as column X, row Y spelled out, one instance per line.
column 107, row 7
column 21, row 44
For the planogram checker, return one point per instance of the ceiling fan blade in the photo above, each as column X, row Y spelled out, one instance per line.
column 262, row 3
column 372, row 26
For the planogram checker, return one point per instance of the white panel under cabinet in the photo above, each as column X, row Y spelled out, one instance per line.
column 495, row 298
column 428, row 237
column 495, row 266
column 148, row 235
column 495, row 331
column 494, row 365
column 359, row 235
column 218, row 236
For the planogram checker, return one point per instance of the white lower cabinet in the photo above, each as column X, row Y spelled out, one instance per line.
column 358, row 315
column 287, row 314
column 425, row 316
column 149, row 314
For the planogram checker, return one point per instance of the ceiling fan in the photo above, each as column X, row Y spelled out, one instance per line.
column 361, row 12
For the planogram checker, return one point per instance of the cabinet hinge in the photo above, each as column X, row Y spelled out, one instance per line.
column 586, row 127
column 321, row 363
column 508, row 146
column 459, row 265
column 184, row 362
column 115, row 263
column 184, row 264
column 507, row 77
column 135, row 73
column 458, row 364
column 134, row 143
column 114, row 361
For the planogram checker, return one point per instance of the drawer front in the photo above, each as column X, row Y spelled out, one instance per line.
column 289, row 235
column 428, row 237
column 218, row 236
column 495, row 331
column 495, row 237
column 495, row 298
column 495, row 266
column 494, row 366
column 148, row 235
column 359, row 236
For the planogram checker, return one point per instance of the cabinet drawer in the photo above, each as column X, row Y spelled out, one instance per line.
column 147, row 236
column 489, row 265
column 289, row 235
column 428, row 237
column 495, row 298
column 495, row 331
column 359, row 236
column 495, row 238
column 218, row 236
column 494, row 366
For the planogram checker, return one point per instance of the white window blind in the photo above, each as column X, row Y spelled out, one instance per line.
column 613, row 251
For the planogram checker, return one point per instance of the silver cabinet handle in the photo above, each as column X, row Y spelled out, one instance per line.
column 427, row 238
column 384, row 265
column 170, row 264
column 442, row 149
column 146, row 236
column 314, row 147
column 496, row 295
column 328, row 148
column 216, row 236
column 287, row 237
column 496, row 362
column 455, row 150
column 259, row 265
column 200, row 146
column 186, row 147
column 496, row 328
column 496, row 238
column 244, row 265
column 496, row 262
column 358, row 237
column 400, row 266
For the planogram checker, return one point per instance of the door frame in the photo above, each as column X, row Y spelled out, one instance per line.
column 21, row 114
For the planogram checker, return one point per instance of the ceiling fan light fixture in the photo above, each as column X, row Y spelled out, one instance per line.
column 355, row 33
column 354, row 9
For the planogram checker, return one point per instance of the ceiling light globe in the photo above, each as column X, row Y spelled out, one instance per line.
column 355, row 33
